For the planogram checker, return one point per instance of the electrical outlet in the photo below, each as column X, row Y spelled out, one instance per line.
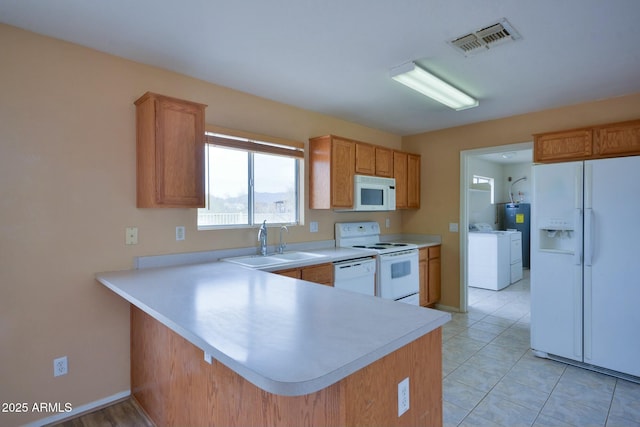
column 387, row 222
column 453, row 227
column 403, row 396
column 180, row 233
column 131, row 235
column 313, row 226
column 60, row 366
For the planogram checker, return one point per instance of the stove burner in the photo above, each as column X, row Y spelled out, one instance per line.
column 359, row 246
column 376, row 247
column 390, row 244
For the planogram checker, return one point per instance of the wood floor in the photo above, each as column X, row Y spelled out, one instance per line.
column 123, row 414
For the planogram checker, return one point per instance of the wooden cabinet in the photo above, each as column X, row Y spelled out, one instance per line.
column 333, row 161
column 406, row 170
column 365, row 159
column 563, row 146
column 619, row 139
column 384, row 162
column 320, row 273
column 413, row 181
column 374, row 160
column 429, row 266
column 612, row 140
column 331, row 171
column 170, row 152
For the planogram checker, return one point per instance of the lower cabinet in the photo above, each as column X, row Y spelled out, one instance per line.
column 320, row 273
column 429, row 266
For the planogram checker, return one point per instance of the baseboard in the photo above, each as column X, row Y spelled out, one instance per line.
column 89, row 407
column 447, row 308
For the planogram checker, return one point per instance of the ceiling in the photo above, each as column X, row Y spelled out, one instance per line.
column 334, row 56
column 509, row 156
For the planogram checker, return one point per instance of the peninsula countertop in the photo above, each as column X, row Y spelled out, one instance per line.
column 286, row 336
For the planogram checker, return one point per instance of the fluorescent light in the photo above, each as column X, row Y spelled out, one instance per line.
column 418, row 79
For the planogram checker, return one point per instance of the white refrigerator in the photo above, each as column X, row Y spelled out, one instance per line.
column 585, row 263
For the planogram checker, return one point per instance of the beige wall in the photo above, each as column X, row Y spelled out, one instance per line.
column 67, row 192
column 440, row 192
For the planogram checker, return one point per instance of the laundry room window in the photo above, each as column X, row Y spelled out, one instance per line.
column 484, row 182
column 248, row 181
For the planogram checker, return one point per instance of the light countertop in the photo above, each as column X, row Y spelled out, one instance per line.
column 286, row 336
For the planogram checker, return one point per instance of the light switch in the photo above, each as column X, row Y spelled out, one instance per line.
column 453, row 227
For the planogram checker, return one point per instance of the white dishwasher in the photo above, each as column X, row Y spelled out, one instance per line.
column 355, row 275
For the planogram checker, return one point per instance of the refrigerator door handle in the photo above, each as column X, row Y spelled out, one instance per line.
column 577, row 252
column 588, row 236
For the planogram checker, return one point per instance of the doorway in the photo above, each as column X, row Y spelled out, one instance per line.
column 487, row 177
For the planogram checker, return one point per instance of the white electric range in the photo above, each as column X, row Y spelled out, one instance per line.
column 397, row 275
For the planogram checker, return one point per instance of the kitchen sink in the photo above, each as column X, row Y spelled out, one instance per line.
column 298, row 256
column 261, row 261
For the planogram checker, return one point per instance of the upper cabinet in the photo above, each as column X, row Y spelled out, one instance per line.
column 619, row 139
column 365, row 159
column 384, row 162
column 613, row 140
column 170, row 152
column 333, row 162
column 406, row 170
column 331, row 170
column 563, row 146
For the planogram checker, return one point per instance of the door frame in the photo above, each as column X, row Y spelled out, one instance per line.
column 465, row 180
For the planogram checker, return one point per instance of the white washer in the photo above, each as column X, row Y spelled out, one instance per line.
column 490, row 260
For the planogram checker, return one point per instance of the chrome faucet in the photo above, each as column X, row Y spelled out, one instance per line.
column 262, row 237
column 282, row 245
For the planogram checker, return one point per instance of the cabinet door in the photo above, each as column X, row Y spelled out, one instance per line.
column 413, row 181
column 563, row 146
column 365, row 159
column 384, row 162
column 621, row 139
column 170, row 152
column 423, row 269
column 434, row 280
column 342, row 170
column 400, row 174
column 180, row 154
column 291, row 272
column 322, row 274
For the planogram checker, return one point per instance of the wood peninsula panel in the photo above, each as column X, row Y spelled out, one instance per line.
column 563, row 146
column 618, row 139
column 176, row 387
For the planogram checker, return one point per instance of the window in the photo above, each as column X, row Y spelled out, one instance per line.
column 248, row 182
column 483, row 181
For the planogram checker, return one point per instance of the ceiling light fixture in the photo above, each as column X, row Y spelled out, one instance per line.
column 420, row 80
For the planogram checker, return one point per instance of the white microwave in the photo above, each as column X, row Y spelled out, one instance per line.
column 373, row 193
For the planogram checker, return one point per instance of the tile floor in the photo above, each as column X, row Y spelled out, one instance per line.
column 491, row 378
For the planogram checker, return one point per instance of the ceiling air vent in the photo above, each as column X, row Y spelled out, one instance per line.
column 485, row 38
